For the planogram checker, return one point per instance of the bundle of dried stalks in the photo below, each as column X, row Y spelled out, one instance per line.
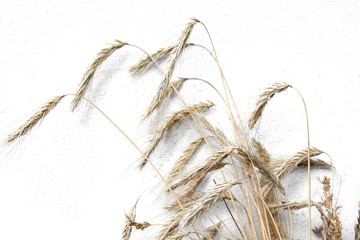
column 249, row 163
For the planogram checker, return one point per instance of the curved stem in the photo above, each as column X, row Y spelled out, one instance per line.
column 308, row 158
column 132, row 142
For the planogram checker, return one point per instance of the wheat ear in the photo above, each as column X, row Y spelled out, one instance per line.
column 35, row 119
column 299, row 158
column 90, row 73
column 168, row 92
column 198, row 174
column 171, row 122
column 184, row 159
column 179, row 48
column 264, row 98
column 206, row 201
column 148, row 62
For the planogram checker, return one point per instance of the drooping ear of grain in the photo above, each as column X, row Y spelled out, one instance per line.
column 157, row 102
column 211, row 164
column 177, row 51
column 206, row 201
column 171, row 122
column 147, row 63
column 90, row 73
column 184, row 159
column 35, row 119
column 264, row 98
column 284, row 168
column 299, row 158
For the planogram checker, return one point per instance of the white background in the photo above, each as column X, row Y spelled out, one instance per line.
column 74, row 179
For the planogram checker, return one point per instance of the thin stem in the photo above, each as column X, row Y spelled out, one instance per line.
column 308, row 158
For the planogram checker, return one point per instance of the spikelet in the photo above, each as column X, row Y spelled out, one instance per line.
column 90, row 73
column 35, row 119
column 263, row 100
column 171, row 122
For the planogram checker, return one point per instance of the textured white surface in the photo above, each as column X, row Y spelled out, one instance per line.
column 74, row 179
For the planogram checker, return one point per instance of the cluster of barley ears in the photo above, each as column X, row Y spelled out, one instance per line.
column 234, row 193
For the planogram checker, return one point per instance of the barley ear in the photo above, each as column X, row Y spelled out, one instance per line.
column 264, row 98
column 90, row 73
column 35, row 119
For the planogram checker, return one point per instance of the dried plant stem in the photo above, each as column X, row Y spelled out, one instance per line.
column 308, row 157
column 241, row 138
